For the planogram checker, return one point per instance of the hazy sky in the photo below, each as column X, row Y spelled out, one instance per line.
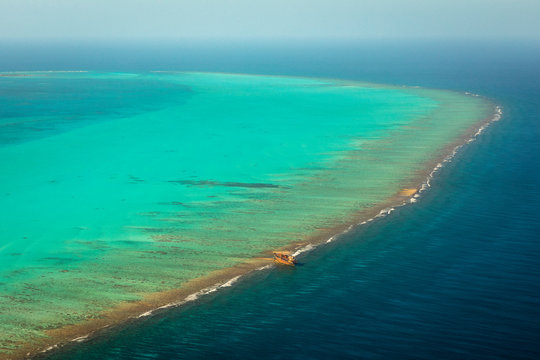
column 276, row 19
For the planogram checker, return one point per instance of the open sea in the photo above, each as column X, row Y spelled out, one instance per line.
column 454, row 275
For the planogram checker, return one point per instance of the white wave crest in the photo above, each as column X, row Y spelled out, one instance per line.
column 80, row 338
column 385, row 212
column 50, row 348
column 308, row 247
column 427, row 183
column 230, row 282
column 144, row 314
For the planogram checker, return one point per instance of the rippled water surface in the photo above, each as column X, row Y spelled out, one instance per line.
column 454, row 276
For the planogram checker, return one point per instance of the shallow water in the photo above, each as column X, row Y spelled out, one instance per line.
column 453, row 276
column 115, row 185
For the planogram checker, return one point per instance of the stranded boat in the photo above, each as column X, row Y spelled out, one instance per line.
column 284, row 258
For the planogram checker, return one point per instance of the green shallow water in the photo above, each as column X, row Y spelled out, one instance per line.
column 117, row 185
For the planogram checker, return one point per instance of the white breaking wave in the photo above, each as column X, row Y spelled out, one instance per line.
column 148, row 313
column 194, row 296
column 50, row 348
column 80, row 338
column 230, row 282
column 427, row 183
column 308, row 247
column 385, row 212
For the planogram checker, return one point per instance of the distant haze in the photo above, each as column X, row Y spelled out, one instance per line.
column 269, row 19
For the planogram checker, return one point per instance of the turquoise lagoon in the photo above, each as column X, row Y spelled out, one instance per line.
column 115, row 185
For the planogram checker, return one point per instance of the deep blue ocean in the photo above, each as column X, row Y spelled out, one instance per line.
column 454, row 276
